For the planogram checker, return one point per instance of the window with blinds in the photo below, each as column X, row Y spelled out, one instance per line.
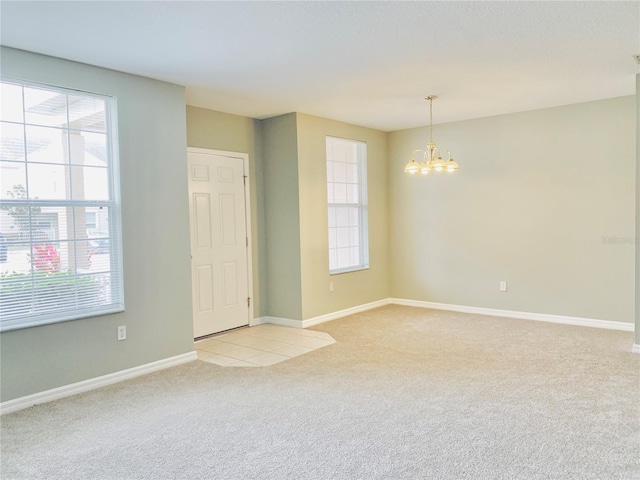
column 347, row 205
column 59, row 206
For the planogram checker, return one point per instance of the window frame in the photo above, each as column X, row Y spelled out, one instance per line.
column 116, row 267
column 362, row 206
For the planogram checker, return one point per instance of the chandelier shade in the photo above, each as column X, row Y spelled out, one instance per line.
column 432, row 160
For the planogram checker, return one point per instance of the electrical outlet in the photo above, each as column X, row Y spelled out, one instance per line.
column 331, row 286
column 122, row 332
column 503, row 286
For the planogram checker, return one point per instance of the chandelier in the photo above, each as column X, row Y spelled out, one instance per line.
column 431, row 159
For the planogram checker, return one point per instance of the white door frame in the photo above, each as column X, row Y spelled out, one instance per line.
column 247, row 215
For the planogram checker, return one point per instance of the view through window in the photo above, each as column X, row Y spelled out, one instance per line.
column 59, row 206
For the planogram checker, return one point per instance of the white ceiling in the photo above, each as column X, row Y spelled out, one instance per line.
column 366, row 63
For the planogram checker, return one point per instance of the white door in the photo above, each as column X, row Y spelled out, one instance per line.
column 219, row 279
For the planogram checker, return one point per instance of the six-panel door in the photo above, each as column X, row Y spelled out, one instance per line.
column 218, row 243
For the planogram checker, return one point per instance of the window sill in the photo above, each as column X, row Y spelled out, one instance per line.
column 11, row 325
column 348, row 270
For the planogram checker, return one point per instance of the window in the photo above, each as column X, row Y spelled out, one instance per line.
column 59, row 206
column 347, row 201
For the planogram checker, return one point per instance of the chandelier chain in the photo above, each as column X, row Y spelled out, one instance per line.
column 431, row 120
column 431, row 162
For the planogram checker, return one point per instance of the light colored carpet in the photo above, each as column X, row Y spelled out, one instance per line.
column 405, row 393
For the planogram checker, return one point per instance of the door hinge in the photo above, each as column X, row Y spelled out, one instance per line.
column 248, row 301
column 244, row 180
column 247, row 238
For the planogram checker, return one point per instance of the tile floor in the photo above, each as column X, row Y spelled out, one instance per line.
column 260, row 346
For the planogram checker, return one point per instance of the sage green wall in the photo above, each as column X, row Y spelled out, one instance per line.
column 544, row 200
column 155, row 221
column 234, row 133
column 353, row 288
column 282, row 216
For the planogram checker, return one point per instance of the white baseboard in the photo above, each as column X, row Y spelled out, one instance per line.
column 93, row 383
column 310, row 322
column 285, row 322
column 541, row 317
column 635, row 348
